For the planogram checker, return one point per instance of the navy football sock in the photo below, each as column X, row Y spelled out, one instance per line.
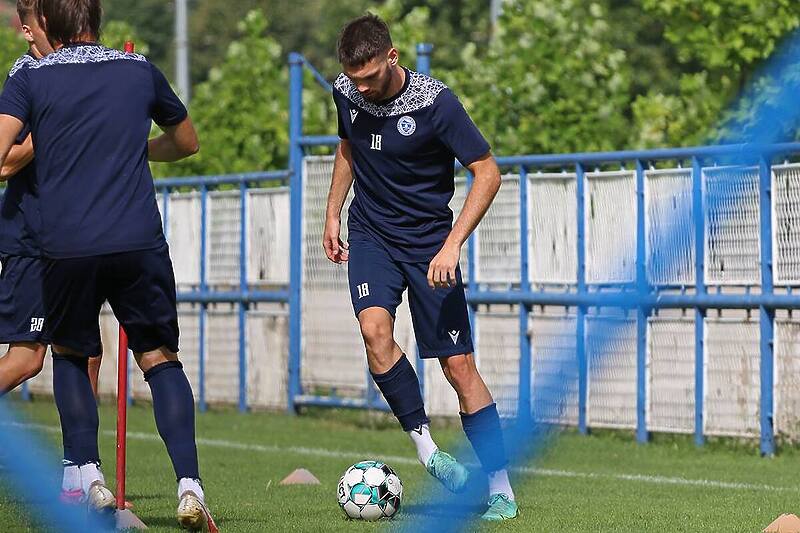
column 400, row 387
column 173, row 407
column 486, row 436
column 77, row 408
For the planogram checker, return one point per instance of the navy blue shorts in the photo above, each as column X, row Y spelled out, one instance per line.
column 140, row 286
column 22, row 314
column 440, row 316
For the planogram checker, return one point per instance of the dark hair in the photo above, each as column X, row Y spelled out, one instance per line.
column 65, row 20
column 25, row 8
column 362, row 39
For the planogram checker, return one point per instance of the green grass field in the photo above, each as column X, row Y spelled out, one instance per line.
column 604, row 482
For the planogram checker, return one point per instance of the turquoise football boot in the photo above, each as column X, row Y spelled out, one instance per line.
column 448, row 471
column 501, row 508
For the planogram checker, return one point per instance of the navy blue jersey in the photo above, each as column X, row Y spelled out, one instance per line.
column 90, row 110
column 403, row 154
column 19, row 212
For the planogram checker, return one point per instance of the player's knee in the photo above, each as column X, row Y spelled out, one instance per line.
column 148, row 360
column 376, row 333
column 33, row 366
column 460, row 372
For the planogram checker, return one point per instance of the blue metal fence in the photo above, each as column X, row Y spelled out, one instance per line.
column 642, row 296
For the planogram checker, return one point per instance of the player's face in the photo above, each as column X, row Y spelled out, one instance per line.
column 36, row 37
column 373, row 78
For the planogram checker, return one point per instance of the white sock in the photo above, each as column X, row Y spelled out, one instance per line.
column 421, row 436
column 499, row 484
column 89, row 474
column 187, row 483
column 72, row 478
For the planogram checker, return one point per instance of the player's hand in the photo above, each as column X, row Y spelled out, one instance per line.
column 442, row 270
column 335, row 249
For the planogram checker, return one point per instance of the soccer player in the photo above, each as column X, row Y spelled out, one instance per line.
column 400, row 131
column 21, row 305
column 21, row 302
column 90, row 109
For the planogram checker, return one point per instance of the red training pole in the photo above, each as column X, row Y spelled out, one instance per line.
column 122, row 416
column 122, row 395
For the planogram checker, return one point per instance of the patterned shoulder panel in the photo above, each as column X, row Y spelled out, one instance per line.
column 422, row 90
column 22, row 62
column 77, row 55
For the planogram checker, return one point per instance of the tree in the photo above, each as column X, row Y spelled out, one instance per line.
column 116, row 33
column 12, row 46
column 719, row 45
column 552, row 81
column 241, row 111
column 151, row 21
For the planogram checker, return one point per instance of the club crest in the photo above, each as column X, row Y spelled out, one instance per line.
column 406, row 125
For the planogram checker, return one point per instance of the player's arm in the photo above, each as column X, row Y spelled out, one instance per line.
column 485, row 184
column 341, row 181
column 18, row 158
column 176, row 143
column 456, row 130
column 10, row 127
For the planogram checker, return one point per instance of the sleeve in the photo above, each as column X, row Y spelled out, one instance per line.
column 15, row 100
column 168, row 110
column 26, row 130
column 456, row 130
column 341, row 123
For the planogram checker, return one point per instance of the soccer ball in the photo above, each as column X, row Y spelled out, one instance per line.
column 370, row 490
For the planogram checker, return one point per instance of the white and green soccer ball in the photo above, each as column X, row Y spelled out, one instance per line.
column 370, row 490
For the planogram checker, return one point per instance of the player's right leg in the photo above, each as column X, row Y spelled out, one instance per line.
column 21, row 320
column 143, row 299
column 73, row 295
column 22, row 361
column 376, row 289
column 94, row 371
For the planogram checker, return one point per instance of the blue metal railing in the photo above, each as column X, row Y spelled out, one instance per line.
column 641, row 295
column 204, row 295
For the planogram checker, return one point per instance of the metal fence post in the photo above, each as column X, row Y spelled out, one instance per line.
column 243, row 288
column 296, row 232
column 641, row 311
column 700, row 289
column 165, row 211
column 766, row 315
column 525, row 365
column 580, row 319
column 424, row 58
column 423, row 67
column 203, row 290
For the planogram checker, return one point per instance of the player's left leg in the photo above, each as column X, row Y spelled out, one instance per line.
column 481, row 424
column 143, row 299
column 442, row 328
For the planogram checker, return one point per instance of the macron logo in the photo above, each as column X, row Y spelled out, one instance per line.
column 353, row 115
column 454, row 336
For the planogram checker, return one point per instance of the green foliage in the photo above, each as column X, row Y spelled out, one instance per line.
column 725, row 35
column 116, row 33
column 718, row 45
column 152, row 22
column 551, row 81
column 12, row 46
column 241, row 111
column 574, row 75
